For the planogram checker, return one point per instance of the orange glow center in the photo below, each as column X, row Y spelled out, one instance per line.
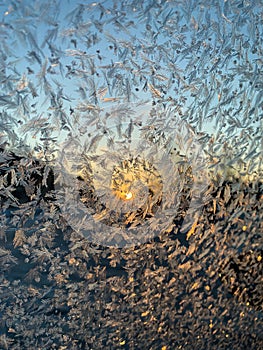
column 128, row 195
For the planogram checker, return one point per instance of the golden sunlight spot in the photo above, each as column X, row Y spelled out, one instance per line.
column 137, row 186
column 128, row 195
column 123, row 193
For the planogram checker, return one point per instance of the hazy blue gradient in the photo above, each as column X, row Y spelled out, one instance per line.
column 202, row 57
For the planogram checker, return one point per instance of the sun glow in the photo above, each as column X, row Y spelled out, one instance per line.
column 128, row 196
column 124, row 194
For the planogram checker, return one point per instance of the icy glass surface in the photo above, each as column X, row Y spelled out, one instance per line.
column 131, row 174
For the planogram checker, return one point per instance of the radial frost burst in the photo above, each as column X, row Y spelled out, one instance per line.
column 126, row 183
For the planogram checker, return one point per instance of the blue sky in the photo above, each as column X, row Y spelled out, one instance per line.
column 203, row 58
